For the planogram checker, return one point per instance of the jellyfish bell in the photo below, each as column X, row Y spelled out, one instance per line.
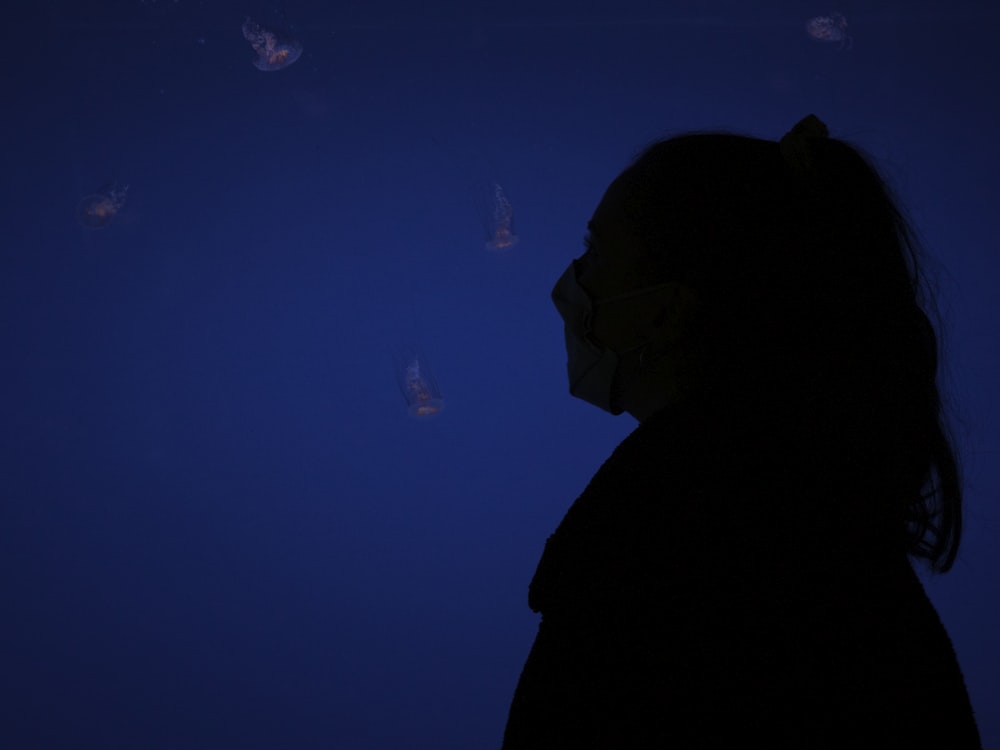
column 281, row 56
column 831, row 28
column 423, row 398
column 497, row 217
column 426, row 408
column 273, row 51
column 502, row 240
column 97, row 210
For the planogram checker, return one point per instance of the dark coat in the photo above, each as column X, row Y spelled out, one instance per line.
column 715, row 586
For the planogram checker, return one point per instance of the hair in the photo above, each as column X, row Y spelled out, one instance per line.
column 810, row 304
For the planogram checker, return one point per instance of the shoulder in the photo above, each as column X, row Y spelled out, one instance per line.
column 647, row 505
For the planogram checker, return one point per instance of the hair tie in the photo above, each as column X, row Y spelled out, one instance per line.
column 795, row 146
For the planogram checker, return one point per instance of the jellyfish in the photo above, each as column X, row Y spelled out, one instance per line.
column 273, row 52
column 831, row 28
column 497, row 216
column 95, row 211
column 423, row 399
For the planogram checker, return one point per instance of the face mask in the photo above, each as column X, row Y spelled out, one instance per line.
column 592, row 369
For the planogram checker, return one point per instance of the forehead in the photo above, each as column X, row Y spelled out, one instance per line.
column 612, row 262
column 612, row 225
column 610, row 212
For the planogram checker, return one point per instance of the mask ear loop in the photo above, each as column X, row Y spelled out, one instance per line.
column 659, row 320
column 645, row 362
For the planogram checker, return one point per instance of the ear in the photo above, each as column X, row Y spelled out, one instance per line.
column 674, row 316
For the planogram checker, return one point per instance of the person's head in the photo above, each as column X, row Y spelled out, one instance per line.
column 776, row 281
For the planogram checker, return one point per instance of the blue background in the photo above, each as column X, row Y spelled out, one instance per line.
column 218, row 525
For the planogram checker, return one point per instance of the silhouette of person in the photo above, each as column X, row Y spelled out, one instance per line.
column 738, row 573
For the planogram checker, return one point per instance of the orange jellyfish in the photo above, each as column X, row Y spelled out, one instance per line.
column 96, row 211
column 273, row 52
column 831, row 28
column 423, row 398
column 497, row 216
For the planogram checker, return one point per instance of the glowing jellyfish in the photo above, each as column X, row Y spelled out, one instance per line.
column 96, row 211
column 497, row 216
column 423, row 399
column 273, row 52
column 831, row 28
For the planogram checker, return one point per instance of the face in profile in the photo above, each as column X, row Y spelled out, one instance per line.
column 627, row 323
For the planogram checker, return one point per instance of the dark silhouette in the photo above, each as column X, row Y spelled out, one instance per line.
column 738, row 573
